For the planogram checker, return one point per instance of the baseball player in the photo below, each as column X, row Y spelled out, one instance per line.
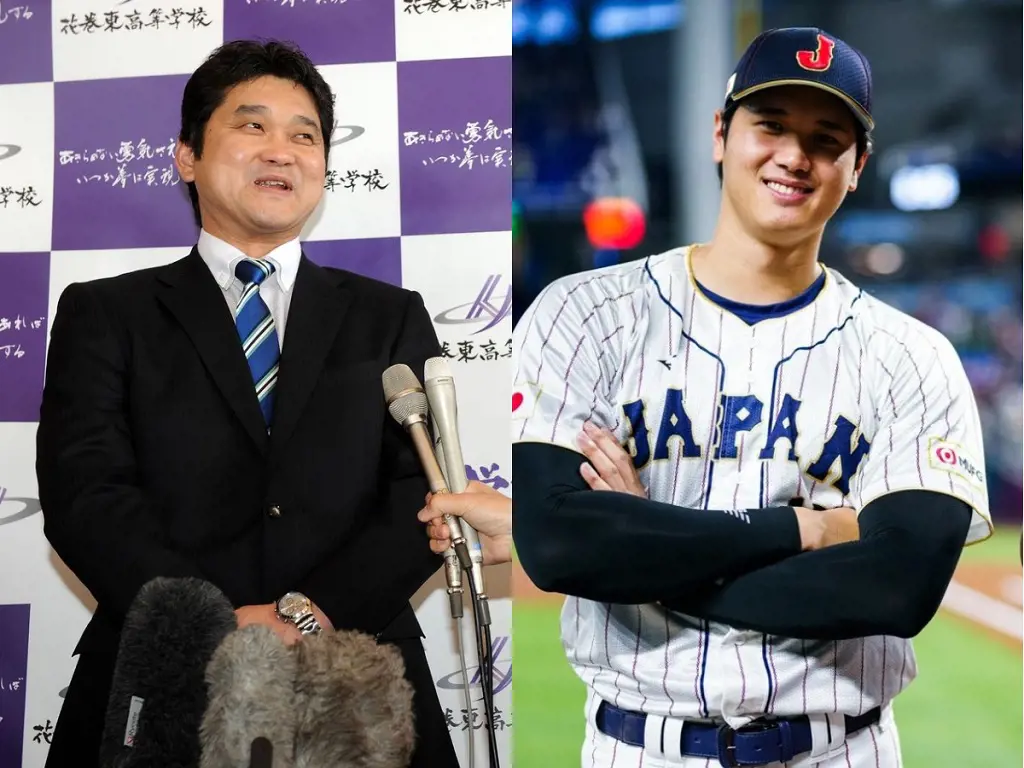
column 720, row 610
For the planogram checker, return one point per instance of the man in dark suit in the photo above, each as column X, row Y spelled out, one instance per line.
column 181, row 434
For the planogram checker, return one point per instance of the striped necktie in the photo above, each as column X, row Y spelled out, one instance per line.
column 257, row 332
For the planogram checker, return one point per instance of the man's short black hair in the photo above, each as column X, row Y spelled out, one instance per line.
column 242, row 61
column 864, row 138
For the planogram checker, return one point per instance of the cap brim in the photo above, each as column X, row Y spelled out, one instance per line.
column 858, row 111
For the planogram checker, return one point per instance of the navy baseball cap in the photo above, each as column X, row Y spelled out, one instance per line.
column 804, row 56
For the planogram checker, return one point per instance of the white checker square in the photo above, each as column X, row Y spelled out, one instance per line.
column 26, row 166
column 363, row 198
column 99, row 39
column 442, row 29
column 465, row 281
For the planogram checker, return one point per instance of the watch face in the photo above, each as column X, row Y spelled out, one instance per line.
column 293, row 604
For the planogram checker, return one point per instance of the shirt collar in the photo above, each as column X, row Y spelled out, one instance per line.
column 222, row 257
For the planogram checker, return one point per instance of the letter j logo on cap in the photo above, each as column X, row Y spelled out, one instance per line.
column 818, row 60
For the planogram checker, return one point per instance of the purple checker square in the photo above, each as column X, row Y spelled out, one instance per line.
column 24, row 296
column 140, row 212
column 26, row 44
column 328, row 31
column 14, row 628
column 439, row 197
column 379, row 258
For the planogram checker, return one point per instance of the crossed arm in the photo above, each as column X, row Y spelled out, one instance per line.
column 774, row 571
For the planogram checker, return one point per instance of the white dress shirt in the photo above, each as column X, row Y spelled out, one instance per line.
column 276, row 290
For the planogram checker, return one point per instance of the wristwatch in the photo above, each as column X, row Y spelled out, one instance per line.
column 297, row 609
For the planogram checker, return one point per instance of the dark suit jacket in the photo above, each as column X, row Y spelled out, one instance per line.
column 153, row 460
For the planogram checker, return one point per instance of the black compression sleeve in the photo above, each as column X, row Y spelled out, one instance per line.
column 618, row 548
column 890, row 582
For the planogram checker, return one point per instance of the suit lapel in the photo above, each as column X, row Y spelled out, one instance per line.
column 314, row 319
column 191, row 294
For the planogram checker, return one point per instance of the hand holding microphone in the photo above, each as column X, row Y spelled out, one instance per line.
column 407, row 404
column 488, row 511
column 440, row 386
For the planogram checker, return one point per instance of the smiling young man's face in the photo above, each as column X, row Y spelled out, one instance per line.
column 262, row 168
column 788, row 161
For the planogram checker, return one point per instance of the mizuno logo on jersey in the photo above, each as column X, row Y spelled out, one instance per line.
column 949, row 457
column 837, row 463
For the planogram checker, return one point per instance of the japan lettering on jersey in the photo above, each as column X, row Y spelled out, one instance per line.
column 840, row 402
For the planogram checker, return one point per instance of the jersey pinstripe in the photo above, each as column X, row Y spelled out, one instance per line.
column 840, row 402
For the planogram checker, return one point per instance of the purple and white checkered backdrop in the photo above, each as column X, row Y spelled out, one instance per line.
column 417, row 194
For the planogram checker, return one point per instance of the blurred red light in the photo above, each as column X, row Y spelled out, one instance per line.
column 614, row 223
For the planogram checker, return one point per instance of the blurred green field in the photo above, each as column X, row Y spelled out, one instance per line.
column 963, row 710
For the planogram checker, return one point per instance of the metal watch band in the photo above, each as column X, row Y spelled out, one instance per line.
column 307, row 624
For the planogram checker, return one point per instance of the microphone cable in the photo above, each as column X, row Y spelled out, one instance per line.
column 482, row 621
column 465, row 682
column 482, row 631
column 464, row 564
column 484, row 646
column 455, row 604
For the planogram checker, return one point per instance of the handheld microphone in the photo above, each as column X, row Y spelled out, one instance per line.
column 353, row 703
column 453, row 570
column 444, row 408
column 158, row 691
column 250, row 719
column 407, row 405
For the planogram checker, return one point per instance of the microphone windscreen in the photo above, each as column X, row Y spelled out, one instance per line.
column 408, row 405
column 157, row 694
column 397, row 380
column 436, row 368
column 404, row 395
column 354, row 705
column 251, row 680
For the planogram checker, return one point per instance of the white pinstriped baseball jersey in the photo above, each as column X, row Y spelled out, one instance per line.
column 839, row 402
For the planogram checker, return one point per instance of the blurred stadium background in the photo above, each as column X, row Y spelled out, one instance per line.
column 613, row 118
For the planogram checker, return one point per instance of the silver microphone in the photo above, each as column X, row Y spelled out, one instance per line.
column 407, row 405
column 453, row 570
column 439, row 455
column 440, row 386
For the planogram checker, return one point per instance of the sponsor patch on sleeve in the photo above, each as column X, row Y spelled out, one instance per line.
column 951, row 457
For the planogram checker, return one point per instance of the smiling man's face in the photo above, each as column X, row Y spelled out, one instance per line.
column 262, row 167
column 788, row 162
